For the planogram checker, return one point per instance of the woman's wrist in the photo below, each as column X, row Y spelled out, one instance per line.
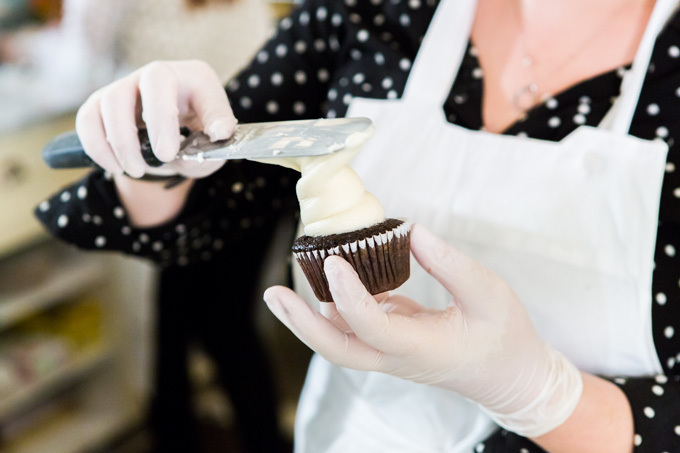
column 602, row 422
column 151, row 203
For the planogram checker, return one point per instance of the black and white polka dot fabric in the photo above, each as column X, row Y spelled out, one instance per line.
column 220, row 211
column 321, row 57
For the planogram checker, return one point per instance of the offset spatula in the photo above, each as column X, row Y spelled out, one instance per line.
column 250, row 141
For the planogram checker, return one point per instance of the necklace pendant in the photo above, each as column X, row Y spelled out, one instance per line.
column 526, row 97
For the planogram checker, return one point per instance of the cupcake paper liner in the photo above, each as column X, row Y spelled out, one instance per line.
column 382, row 259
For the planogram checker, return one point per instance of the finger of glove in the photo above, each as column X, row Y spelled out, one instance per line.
column 388, row 332
column 158, row 88
column 118, row 103
column 92, row 135
column 330, row 312
column 470, row 283
column 208, row 100
column 388, row 303
column 319, row 334
column 403, row 306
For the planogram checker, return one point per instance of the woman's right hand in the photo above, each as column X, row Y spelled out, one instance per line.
column 161, row 96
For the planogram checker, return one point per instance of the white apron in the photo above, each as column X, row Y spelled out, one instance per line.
column 571, row 226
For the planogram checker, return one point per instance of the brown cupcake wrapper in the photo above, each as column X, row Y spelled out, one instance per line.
column 382, row 261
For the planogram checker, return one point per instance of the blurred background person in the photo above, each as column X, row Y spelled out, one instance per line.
column 53, row 55
column 65, row 49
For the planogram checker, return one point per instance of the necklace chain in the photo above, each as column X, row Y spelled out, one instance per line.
column 530, row 94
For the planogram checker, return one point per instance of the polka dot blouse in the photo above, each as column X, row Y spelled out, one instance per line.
column 321, row 57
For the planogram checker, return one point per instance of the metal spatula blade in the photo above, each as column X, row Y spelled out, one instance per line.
column 250, row 141
column 276, row 139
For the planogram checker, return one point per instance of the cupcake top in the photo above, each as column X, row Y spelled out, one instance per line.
column 331, row 195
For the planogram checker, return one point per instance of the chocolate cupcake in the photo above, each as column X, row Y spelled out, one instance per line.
column 341, row 218
column 379, row 254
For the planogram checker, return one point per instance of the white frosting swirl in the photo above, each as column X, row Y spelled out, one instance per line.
column 331, row 195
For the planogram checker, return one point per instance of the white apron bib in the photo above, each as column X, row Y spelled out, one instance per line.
column 571, row 226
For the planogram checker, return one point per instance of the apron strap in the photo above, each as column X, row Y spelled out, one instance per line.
column 441, row 52
column 620, row 116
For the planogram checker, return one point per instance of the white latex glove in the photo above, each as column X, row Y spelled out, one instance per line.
column 483, row 346
column 162, row 96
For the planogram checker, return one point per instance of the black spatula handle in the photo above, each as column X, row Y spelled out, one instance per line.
column 66, row 151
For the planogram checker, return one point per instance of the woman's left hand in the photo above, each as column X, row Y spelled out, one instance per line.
column 482, row 346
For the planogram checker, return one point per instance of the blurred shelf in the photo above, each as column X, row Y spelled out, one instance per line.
column 65, row 280
column 70, row 373
column 25, row 180
column 75, row 432
column 101, row 392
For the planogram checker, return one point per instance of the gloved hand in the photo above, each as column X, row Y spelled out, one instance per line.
column 482, row 346
column 165, row 96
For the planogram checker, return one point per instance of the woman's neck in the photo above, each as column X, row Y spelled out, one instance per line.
column 529, row 50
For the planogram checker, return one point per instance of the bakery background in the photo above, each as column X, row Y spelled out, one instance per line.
column 77, row 329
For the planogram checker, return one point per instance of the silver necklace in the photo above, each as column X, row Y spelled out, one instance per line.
column 530, row 94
